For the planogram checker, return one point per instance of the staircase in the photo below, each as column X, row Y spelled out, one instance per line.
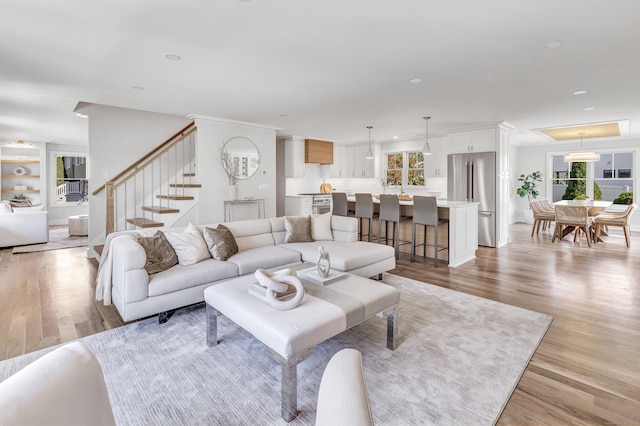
column 156, row 190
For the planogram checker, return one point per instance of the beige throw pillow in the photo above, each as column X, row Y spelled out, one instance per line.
column 321, row 227
column 160, row 255
column 220, row 241
column 298, row 229
column 189, row 245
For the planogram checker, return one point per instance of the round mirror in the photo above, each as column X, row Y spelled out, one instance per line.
column 240, row 157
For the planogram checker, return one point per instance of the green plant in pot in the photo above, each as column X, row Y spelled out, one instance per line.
column 529, row 188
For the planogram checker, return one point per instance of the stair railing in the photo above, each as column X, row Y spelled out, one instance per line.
column 163, row 174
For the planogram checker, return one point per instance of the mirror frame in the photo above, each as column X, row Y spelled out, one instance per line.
column 227, row 149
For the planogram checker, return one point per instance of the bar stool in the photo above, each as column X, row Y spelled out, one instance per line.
column 364, row 210
column 390, row 212
column 425, row 212
column 340, row 204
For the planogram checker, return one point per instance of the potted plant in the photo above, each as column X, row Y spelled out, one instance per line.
column 580, row 199
column 529, row 188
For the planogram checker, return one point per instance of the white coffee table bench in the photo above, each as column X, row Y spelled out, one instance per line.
column 291, row 336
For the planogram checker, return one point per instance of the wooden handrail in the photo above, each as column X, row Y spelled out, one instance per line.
column 142, row 159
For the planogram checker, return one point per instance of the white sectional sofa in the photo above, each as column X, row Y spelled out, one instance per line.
column 24, row 227
column 137, row 294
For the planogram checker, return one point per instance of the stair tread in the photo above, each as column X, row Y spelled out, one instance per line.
column 185, row 185
column 160, row 209
column 188, row 174
column 143, row 222
column 175, row 197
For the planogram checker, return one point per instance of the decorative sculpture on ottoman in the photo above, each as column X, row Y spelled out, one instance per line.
column 323, row 265
column 278, row 282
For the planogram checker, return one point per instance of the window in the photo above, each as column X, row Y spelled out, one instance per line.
column 405, row 168
column 604, row 180
column 70, row 176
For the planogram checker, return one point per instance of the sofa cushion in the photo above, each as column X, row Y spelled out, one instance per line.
column 250, row 234
column 189, row 245
column 321, row 227
column 180, row 277
column 160, row 254
column 263, row 257
column 5, row 207
column 298, row 229
column 39, row 208
column 344, row 256
column 220, row 241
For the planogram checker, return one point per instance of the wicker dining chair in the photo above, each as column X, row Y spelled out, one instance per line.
column 574, row 216
column 620, row 219
column 542, row 215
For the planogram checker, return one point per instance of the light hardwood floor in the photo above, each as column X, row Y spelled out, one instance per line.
column 586, row 370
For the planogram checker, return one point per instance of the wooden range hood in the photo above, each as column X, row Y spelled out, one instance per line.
column 316, row 151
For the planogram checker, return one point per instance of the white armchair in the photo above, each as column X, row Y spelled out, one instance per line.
column 63, row 387
column 342, row 398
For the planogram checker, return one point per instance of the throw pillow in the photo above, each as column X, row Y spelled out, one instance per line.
column 160, row 255
column 5, row 207
column 39, row 208
column 222, row 245
column 189, row 245
column 321, row 227
column 20, row 203
column 298, row 229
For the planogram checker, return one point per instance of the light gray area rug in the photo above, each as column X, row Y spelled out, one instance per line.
column 458, row 361
column 59, row 238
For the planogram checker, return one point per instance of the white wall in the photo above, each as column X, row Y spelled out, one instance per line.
column 117, row 138
column 532, row 158
column 212, row 134
column 58, row 215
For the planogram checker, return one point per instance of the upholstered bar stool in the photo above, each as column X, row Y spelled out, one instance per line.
column 364, row 210
column 390, row 212
column 425, row 212
column 340, row 204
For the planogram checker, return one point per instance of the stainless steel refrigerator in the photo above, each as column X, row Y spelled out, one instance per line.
column 472, row 177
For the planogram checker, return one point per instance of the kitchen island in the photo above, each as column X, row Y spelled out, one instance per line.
column 461, row 233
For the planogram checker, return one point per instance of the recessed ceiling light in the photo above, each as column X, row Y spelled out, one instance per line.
column 79, row 114
column 580, row 92
column 395, row 137
column 173, row 57
column 415, row 80
column 46, row 98
column 552, row 44
column 137, row 87
column 589, row 109
column 283, row 115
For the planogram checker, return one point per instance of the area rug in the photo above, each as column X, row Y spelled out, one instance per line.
column 458, row 361
column 59, row 238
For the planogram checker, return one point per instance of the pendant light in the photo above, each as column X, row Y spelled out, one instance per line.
column 581, row 156
column 369, row 155
column 426, row 149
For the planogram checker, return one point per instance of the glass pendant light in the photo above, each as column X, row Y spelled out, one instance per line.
column 426, row 149
column 369, row 155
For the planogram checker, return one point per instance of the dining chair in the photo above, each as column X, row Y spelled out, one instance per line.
column 542, row 215
column 572, row 218
column 425, row 212
column 364, row 210
column 340, row 203
column 390, row 212
column 620, row 219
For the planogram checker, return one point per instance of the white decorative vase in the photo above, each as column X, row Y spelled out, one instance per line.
column 233, row 192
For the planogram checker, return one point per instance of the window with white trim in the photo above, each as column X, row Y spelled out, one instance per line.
column 404, row 168
column 70, row 177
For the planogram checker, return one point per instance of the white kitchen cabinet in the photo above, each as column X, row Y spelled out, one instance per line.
column 294, row 158
column 298, row 205
column 360, row 166
column 473, row 141
column 339, row 167
column 435, row 165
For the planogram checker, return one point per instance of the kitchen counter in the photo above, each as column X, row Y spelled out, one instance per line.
column 461, row 235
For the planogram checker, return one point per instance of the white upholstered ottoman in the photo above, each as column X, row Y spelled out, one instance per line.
column 79, row 225
column 291, row 336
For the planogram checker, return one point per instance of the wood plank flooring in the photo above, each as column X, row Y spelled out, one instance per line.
column 585, row 372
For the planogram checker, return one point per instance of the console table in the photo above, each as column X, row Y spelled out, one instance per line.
column 256, row 204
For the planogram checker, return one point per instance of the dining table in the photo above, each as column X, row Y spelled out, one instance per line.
column 594, row 206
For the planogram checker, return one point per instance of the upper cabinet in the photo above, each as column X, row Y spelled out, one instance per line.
column 435, row 165
column 294, row 157
column 316, row 151
column 473, row 141
column 357, row 165
column 339, row 167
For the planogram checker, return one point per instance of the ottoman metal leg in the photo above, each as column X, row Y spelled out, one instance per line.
column 392, row 326
column 289, row 380
column 212, row 326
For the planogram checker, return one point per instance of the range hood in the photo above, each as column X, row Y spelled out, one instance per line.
column 319, row 152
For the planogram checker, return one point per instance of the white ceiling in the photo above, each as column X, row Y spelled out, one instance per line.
column 332, row 66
